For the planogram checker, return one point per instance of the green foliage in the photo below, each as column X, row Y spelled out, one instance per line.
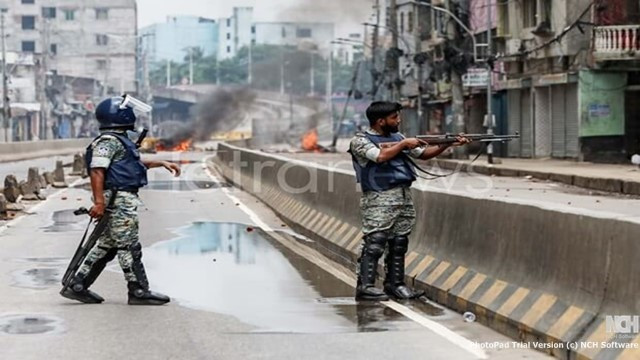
column 272, row 65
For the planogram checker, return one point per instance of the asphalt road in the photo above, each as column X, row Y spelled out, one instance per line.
column 243, row 286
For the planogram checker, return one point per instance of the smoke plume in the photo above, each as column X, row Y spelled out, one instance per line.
column 221, row 110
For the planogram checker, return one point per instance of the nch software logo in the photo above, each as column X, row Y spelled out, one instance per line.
column 623, row 324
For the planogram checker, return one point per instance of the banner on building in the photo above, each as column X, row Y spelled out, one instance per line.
column 475, row 78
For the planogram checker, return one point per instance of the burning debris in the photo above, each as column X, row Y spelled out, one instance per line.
column 310, row 142
column 222, row 110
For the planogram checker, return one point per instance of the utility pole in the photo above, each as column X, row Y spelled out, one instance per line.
column 5, row 91
column 489, row 121
column 168, row 72
column 456, row 90
column 217, row 71
column 393, row 61
column 282, row 70
column 312, row 80
column 250, row 65
column 330, row 84
column 417, row 32
column 44, row 111
column 374, row 51
column 190, row 49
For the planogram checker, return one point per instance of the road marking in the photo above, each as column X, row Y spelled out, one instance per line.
column 437, row 328
column 37, row 206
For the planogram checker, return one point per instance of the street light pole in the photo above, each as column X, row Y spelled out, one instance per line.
column 5, row 90
column 489, row 82
column 190, row 65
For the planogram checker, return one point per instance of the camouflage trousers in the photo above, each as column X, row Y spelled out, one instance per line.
column 389, row 211
column 121, row 238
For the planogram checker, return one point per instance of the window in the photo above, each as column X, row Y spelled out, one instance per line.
column 228, row 22
column 69, row 15
column 529, row 13
column 228, row 49
column 503, row 18
column 284, row 32
column 28, row 1
column 228, row 36
column 53, row 49
column 49, row 12
column 401, row 22
column 410, row 22
column 544, row 11
column 101, row 64
column 28, row 46
column 102, row 13
column 303, row 33
column 28, row 23
column 253, row 29
column 102, row 40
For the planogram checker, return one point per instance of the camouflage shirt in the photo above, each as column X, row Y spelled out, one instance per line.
column 107, row 149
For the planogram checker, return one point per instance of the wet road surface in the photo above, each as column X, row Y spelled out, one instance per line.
column 238, row 291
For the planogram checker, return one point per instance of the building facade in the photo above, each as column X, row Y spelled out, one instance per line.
column 173, row 39
column 573, row 97
column 235, row 32
column 86, row 38
column 304, row 36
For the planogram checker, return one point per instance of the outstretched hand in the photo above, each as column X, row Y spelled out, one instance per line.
column 172, row 167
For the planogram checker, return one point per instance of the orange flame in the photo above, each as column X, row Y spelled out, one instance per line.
column 310, row 140
column 183, row 146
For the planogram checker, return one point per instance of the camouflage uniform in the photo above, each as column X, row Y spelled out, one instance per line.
column 388, row 217
column 121, row 234
column 389, row 211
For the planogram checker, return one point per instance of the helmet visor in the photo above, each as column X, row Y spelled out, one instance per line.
column 136, row 104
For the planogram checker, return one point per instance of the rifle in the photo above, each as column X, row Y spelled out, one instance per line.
column 451, row 138
column 85, row 246
column 448, row 139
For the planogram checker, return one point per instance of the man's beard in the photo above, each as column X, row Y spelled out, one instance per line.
column 388, row 129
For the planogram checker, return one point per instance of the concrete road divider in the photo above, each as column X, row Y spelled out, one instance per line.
column 24, row 150
column 533, row 273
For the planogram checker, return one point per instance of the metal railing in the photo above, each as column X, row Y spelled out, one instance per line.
column 617, row 41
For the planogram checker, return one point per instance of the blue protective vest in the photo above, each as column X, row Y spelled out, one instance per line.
column 388, row 175
column 127, row 174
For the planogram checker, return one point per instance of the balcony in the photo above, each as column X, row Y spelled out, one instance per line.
column 613, row 43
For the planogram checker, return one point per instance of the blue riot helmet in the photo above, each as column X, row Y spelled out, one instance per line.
column 118, row 112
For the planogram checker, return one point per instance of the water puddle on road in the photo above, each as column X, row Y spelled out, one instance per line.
column 37, row 278
column 66, row 220
column 30, row 324
column 234, row 269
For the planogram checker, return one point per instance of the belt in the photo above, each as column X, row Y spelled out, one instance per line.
column 133, row 191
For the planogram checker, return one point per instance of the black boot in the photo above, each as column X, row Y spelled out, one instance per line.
column 394, row 285
column 79, row 287
column 78, row 290
column 139, row 295
column 368, row 271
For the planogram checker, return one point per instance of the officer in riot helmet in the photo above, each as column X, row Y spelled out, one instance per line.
column 117, row 173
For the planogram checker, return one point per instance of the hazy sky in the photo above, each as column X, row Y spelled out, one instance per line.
column 346, row 14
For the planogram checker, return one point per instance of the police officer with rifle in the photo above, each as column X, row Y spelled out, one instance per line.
column 384, row 168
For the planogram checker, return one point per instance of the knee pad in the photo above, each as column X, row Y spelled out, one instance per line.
column 374, row 244
column 99, row 265
column 399, row 244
